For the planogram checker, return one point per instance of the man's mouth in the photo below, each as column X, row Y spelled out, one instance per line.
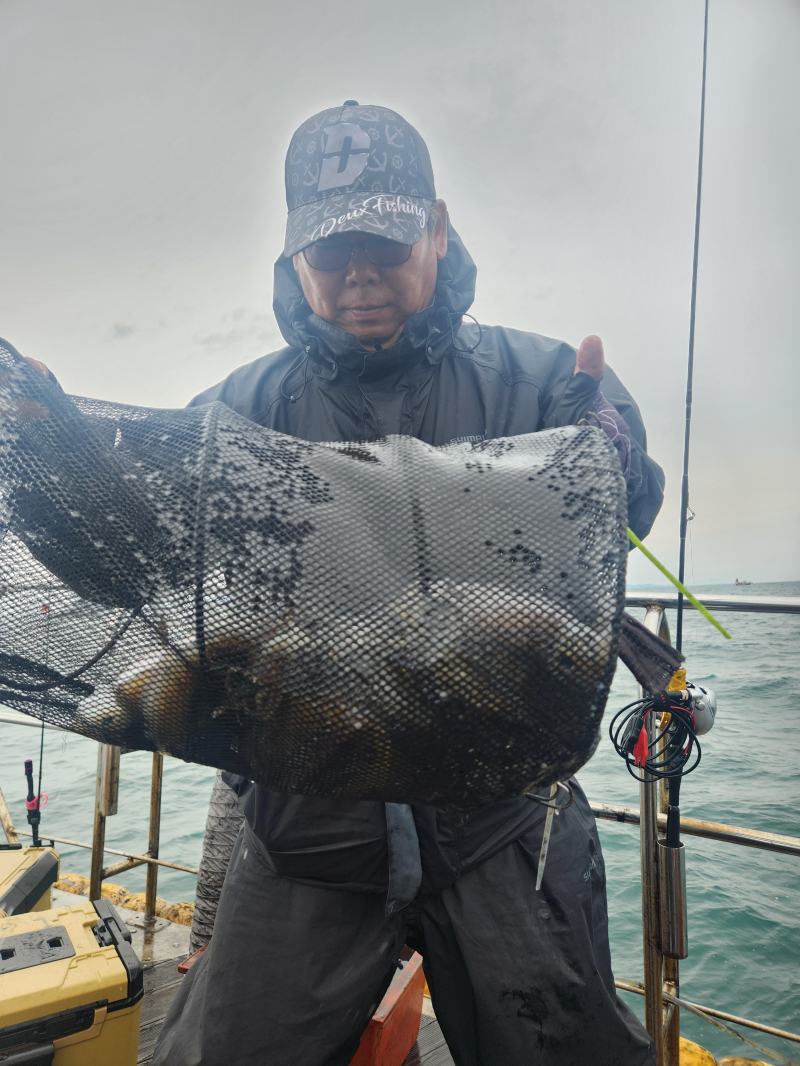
column 365, row 314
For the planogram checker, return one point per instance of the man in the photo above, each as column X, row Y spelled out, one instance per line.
column 321, row 895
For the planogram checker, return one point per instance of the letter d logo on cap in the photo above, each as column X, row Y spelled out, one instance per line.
column 345, row 156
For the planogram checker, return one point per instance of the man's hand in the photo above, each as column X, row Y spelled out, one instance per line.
column 46, row 371
column 23, row 410
column 590, row 359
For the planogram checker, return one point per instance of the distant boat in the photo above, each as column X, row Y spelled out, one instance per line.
column 738, row 582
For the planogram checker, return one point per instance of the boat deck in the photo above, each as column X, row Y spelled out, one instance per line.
column 161, row 981
column 430, row 1048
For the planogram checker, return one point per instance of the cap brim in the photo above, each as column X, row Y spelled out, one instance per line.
column 394, row 216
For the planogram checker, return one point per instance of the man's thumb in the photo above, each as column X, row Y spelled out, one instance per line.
column 38, row 366
column 590, row 359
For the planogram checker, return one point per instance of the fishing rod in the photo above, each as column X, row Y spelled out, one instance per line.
column 657, row 735
column 689, row 711
column 690, row 366
column 674, row 782
column 32, row 805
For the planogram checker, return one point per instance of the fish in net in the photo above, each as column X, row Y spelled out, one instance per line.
column 382, row 620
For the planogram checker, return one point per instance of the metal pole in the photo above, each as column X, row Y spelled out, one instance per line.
column 105, row 805
column 108, row 778
column 693, row 827
column 98, row 840
column 651, row 917
column 671, row 1026
column 155, row 831
column 638, row 988
column 142, row 859
column 672, row 1029
column 696, row 827
column 121, row 867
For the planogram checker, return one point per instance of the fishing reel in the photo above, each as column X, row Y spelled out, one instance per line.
column 667, row 753
column 674, row 751
column 702, row 705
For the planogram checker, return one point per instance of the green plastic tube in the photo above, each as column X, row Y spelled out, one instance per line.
column 678, row 585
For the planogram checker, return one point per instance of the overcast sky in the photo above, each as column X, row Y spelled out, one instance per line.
column 142, row 204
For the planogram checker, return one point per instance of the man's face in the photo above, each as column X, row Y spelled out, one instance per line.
column 373, row 302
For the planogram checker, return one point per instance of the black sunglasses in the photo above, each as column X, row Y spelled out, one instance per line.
column 334, row 253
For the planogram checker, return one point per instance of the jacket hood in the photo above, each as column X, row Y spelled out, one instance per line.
column 452, row 298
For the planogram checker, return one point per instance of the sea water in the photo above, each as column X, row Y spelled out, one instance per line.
column 744, row 904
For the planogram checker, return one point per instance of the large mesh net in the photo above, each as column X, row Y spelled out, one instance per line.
column 383, row 620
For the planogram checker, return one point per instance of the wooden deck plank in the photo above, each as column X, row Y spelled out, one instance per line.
column 430, row 1048
column 161, row 982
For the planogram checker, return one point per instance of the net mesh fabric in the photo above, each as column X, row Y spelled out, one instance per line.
column 382, row 620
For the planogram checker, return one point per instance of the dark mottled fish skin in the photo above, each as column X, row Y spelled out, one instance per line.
column 476, row 674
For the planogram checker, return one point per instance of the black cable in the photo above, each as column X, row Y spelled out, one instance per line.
column 672, row 754
column 690, row 367
column 302, row 360
column 457, row 314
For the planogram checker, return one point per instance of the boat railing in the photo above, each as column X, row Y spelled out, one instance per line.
column 748, row 604
column 661, row 971
column 661, row 985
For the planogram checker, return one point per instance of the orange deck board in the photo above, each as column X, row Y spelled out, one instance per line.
column 394, row 1026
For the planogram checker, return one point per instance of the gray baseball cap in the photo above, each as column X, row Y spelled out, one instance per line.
column 357, row 168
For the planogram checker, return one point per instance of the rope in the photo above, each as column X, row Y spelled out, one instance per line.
column 727, row 1029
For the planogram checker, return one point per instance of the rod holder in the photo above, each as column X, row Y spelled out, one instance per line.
column 672, row 893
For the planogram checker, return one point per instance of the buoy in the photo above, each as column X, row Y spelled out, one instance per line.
column 73, row 883
column 180, row 913
column 737, row 1060
column 692, row 1054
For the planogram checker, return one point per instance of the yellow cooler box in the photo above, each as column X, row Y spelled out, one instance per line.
column 71, row 988
column 26, row 875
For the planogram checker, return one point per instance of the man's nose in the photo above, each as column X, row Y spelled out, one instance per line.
column 360, row 271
